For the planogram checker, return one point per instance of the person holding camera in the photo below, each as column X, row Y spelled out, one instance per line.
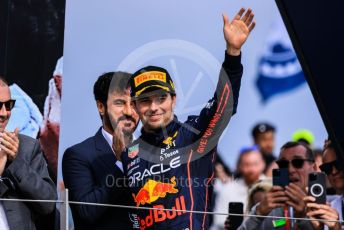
column 334, row 169
column 285, row 201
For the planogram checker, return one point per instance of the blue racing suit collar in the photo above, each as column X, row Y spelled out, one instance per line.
column 162, row 133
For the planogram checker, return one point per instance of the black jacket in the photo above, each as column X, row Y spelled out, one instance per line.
column 26, row 177
column 90, row 173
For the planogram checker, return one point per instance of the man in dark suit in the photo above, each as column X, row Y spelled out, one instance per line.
column 23, row 173
column 92, row 169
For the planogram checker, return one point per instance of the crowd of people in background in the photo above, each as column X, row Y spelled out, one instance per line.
column 251, row 182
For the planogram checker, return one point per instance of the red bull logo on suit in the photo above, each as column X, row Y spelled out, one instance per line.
column 153, row 190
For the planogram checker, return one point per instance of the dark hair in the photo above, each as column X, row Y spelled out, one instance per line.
column 262, row 128
column 328, row 145
column 291, row 144
column 109, row 82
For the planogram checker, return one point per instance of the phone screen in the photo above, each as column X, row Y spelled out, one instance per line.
column 235, row 208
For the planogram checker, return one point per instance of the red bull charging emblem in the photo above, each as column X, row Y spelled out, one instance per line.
column 153, row 190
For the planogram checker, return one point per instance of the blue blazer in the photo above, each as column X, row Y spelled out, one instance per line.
column 91, row 175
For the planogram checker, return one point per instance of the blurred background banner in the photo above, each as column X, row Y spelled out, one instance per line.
column 186, row 38
column 279, row 70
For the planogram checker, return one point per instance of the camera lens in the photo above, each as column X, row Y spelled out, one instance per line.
column 317, row 190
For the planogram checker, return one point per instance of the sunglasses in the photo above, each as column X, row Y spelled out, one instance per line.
column 296, row 163
column 8, row 104
column 328, row 167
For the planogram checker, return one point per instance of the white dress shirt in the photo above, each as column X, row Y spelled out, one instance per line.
column 337, row 204
column 231, row 191
column 3, row 218
column 108, row 137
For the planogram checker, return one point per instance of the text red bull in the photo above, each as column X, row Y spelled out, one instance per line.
column 156, row 216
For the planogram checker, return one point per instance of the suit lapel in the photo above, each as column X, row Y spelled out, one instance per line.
column 105, row 153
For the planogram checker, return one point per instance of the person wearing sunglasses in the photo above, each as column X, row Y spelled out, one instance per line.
column 298, row 158
column 6, row 107
column 23, row 173
column 333, row 167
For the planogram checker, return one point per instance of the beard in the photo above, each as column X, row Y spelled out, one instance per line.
column 112, row 124
column 108, row 123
